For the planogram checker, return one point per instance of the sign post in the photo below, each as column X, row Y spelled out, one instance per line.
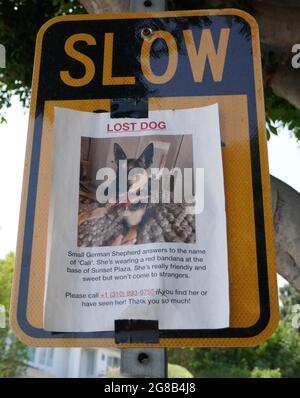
column 152, row 362
column 157, row 61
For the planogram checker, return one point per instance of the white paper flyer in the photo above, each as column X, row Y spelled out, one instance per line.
column 137, row 223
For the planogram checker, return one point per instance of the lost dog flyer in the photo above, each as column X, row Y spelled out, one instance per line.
column 137, row 224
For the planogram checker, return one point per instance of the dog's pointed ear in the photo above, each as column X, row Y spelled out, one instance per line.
column 119, row 153
column 147, row 156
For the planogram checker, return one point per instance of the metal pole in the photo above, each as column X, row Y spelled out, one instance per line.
column 145, row 362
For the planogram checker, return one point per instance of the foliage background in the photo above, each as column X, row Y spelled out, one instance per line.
column 13, row 353
column 279, row 356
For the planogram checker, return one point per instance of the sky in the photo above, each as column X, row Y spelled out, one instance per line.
column 13, row 136
column 283, row 150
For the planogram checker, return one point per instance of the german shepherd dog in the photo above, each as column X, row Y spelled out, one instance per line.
column 132, row 210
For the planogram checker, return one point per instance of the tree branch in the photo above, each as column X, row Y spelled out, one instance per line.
column 279, row 30
column 286, row 83
column 278, row 22
column 102, row 6
column 286, row 217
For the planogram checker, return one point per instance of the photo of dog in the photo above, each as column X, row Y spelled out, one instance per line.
column 127, row 210
column 134, row 212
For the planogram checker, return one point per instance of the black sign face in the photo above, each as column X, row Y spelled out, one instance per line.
column 105, row 61
column 135, row 61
